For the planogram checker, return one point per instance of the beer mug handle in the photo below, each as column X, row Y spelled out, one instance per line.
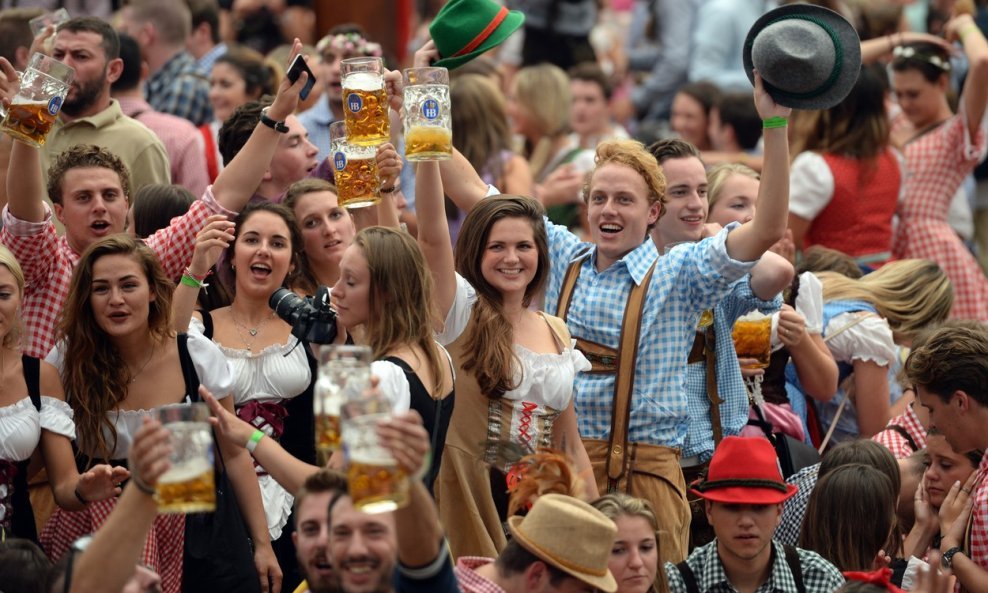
column 3, row 110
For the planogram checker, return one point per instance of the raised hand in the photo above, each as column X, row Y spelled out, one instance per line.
column 227, row 424
column 286, row 101
column 792, row 327
column 408, row 441
column 150, row 454
column 765, row 104
column 389, row 165
column 956, row 507
column 214, row 237
column 101, row 481
column 10, row 82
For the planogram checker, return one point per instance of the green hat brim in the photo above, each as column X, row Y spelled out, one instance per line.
column 510, row 24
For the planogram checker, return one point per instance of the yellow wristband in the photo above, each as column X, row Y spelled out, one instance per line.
column 963, row 33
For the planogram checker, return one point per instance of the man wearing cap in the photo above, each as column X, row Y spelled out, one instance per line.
column 562, row 545
column 743, row 493
column 950, row 373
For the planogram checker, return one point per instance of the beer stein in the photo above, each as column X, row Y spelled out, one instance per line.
column 355, row 166
column 365, row 101
column 32, row 112
column 341, row 368
column 752, row 338
column 428, row 124
column 376, row 483
column 189, row 486
column 54, row 19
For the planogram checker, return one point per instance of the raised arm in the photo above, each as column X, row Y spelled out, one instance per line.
column 770, row 276
column 749, row 242
column 25, row 184
column 238, row 181
column 433, row 235
column 975, row 94
column 210, row 243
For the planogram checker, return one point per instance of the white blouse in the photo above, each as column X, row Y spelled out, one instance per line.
column 809, row 304
column 543, row 379
column 869, row 340
column 21, row 424
column 210, row 364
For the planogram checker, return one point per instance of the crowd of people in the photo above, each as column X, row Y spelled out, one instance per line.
column 558, row 314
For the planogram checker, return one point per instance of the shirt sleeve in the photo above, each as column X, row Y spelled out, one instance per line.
column 869, row 340
column 210, row 363
column 56, row 417
column 459, row 312
column 175, row 243
column 709, row 270
column 809, row 302
column 811, row 185
column 34, row 244
column 394, row 384
column 435, row 577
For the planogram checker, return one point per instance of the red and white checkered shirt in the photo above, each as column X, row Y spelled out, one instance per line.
column 469, row 580
column 895, row 441
column 48, row 262
column 977, row 548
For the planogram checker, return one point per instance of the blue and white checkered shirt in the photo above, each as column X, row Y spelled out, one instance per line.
column 181, row 89
column 688, row 279
column 730, row 383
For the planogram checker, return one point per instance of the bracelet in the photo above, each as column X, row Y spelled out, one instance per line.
column 191, row 281
column 200, row 278
column 79, row 496
column 141, row 485
column 775, row 122
column 254, row 440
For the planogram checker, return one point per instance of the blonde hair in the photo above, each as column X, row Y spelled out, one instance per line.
column 619, row 504
column 480, row 123
column 544, row 91
column 718, row 176
column 910, row 293
column 633, row 154
column 10, row 262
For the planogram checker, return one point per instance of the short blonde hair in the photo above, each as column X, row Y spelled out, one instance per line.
column 631, row 153
column 718, row 176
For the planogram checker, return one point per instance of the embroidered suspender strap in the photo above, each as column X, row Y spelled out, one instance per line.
column 624, row 380
column 843, row 403
column 796, row 568
column 712, row 394
column 569, row 284
column 689, row 579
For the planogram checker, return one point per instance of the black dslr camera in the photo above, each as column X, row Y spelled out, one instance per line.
column 311, row 318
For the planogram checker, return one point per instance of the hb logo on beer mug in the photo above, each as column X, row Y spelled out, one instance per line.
column 189, row 486
column 31, row 115
column 366, row 113
column 428, row 125
column 357, row 182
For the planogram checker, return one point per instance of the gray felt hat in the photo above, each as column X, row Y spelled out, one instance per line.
column 809, row 57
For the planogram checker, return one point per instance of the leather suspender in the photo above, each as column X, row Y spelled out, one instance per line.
column 712, row 394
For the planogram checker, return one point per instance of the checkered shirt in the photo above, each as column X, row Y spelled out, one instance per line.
column 48, row 262
column 819, row 576
column 179, row 88
column 937, row 163
column 687, row 280
column 895, row 442
column 470, row 581
column 978, row 537
column 794, row 509
column 730, row 383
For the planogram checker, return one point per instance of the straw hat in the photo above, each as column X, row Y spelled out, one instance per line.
column 809, row 57
column 744, row 471
column 571, row 535
column 464, row 29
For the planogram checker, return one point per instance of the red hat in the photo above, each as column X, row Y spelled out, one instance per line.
column 744, row 471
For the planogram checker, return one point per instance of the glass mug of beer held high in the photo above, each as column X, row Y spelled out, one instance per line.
column 32, row 112
column 342, row 369
column 428, row 125
column 376, row 483
column 189, row 485
column 355, row 169
column 365, row 101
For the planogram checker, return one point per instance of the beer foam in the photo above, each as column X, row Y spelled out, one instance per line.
column 186, row 472
column 362, row 81
column 373, row 456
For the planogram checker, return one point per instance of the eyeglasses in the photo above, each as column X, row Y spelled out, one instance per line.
column 78, row 546
column 910, row 53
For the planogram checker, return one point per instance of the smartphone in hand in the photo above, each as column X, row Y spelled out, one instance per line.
column 295, row 70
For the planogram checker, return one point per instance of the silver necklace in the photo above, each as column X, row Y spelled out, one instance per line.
column 253, row 331
column 134, row 376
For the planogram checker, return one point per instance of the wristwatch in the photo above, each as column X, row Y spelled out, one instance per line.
column 947, row 560
column 277, row 126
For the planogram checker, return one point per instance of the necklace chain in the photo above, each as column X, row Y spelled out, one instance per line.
column 143, row 366
column 253, row 331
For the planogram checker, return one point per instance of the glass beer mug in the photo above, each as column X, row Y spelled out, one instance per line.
column 377, row 484
column 752, row 337
column 189, row 486
column 341, row 370
column 355, row 169
column 428, row 125
column 32, row 112
column 365, row 101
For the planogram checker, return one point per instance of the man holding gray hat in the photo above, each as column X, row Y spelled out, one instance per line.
column 562, row 545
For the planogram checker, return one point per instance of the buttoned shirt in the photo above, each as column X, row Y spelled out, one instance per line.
column 898, row 444
column 730, row 384
column 978, row 548
column 688, row 279
column 205, row 63
column 48, row 261
column 470, row 581
column 137, row 147
column 179, row 88
column 819, row 576
column 182, row 141
column 794, row 509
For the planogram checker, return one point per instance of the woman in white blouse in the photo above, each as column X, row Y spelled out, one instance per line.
column 33, row 414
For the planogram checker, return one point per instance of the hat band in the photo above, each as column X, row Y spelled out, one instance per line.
column 483, row 35
column 740, row 482
column 555, row 559
column 834, row 73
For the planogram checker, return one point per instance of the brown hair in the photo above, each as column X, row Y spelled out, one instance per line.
column 952, row 359
column 172, row 20
column 260, row 77
column 95, row 378
column 156, row 204
column 480, row 123
column 488, row 347
column 592, row 72
column 294, row 235
column 324, row 480
column 818, row 258
column 673, row 148
column 401, row 302
column 81, row 156
column 305, row 278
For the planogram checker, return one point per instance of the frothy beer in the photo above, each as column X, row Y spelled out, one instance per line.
column 327, row 433
column 377, row 485
column 30, row 121
column 366, row 109
column 188, row 488
column 356, row 182
column 426, row 143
